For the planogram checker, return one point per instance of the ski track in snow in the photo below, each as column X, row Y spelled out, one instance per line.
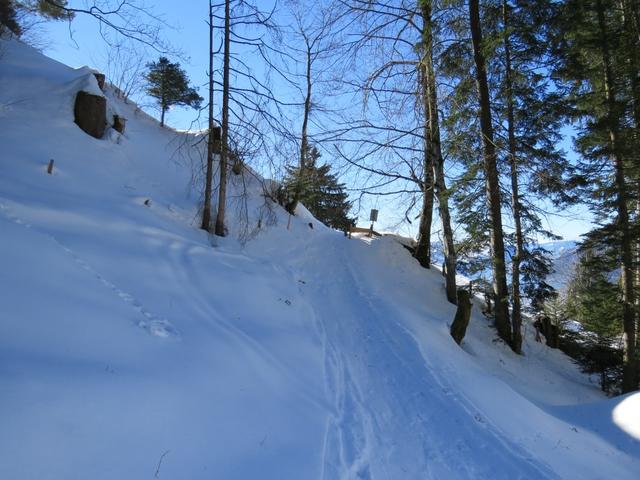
column 153, row 324
column 418, row 405
column 184, row 268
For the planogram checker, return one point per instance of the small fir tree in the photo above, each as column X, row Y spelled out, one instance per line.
column 593, row 299
column 169, row 85
column 320, row 192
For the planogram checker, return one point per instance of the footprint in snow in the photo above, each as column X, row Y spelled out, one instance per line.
column 155, row 326
column 158, row 328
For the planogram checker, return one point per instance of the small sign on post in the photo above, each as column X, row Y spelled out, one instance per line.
column 373, row 217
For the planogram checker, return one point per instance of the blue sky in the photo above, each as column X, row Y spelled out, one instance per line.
column 187, row 32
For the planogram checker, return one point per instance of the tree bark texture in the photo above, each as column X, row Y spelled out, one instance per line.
column 224, row 150
column 206, row 210
column 500, row 290
column 434, row 148
column 516, row 311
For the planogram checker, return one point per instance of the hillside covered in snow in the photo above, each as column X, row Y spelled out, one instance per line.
column 134, row 345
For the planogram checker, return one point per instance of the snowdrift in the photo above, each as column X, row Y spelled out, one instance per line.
column 133, row 345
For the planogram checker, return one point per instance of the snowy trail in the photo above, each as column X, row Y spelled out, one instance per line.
column 404, row 430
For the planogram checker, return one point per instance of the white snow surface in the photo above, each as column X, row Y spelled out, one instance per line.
column 133, row 345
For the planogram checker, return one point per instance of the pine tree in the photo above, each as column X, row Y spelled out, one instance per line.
column 492, row 185
column 169, row 85
column 50, row 9
column 8, row 21
column 319, row 190
column 598, row 68
column 47, row 9
column 526, row 115
column 594, row 299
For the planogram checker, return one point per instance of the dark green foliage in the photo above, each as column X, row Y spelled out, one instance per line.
column 12, row 10
column 594, row 294
column 169, row 85
column 537, row 109
column 594, row 300
column 535, row 267
column 50, row 9
column 320, row 192
column 596, row 58
column 595, row 356
column 8, row 21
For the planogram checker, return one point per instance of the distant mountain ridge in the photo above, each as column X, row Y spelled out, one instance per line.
column 563, row 252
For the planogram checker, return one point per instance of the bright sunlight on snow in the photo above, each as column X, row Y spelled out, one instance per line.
column 133, row 345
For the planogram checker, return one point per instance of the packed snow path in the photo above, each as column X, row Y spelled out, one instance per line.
column 394, row 417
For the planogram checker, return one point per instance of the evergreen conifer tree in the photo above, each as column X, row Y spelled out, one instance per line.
column 594, row 299
column 169, row 85
column 596, row 58
column 319, row 190
column 526, row 115
column 48, row 9
column 8, row 21
column 51, row 9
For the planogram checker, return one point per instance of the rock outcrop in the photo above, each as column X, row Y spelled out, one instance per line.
column 90, row 113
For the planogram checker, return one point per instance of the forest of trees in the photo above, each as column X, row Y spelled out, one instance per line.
column 452, row 112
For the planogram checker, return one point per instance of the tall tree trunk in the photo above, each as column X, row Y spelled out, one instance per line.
column 163, row 96
column 224, row 150
column 500, row 291
column 423, row 247
column 304, row 138
column 516, row 313
column 629, row 380
column 206, row 210
column 304, row 142
column 435, row 147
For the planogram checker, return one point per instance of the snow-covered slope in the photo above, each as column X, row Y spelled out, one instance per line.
column 133, row 345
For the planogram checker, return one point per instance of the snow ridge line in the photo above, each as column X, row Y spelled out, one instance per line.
column 153, row 324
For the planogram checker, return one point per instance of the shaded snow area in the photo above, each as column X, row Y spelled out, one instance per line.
column 133, row 345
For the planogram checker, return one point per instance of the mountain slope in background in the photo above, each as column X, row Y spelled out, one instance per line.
column 133, row 345
column 564, row 255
